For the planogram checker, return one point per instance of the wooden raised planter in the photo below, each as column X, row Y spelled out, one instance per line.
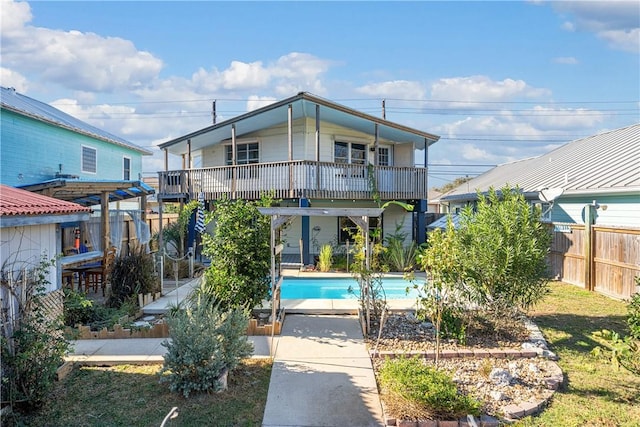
column 161, row 330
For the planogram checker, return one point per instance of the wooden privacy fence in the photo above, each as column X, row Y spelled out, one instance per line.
column 598, row 258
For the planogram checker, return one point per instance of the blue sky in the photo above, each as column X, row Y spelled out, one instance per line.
column 498, row 81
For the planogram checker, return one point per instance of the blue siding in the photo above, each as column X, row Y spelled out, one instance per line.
column 621, row 210
column 31, row 152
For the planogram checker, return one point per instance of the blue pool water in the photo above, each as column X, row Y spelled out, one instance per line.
column 338, row 288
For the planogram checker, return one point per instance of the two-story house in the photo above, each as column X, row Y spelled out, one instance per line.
column 308, row 151
column 47, row 151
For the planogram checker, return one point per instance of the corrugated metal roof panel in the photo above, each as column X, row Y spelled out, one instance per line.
column 25, row 105
column 610, row 160
column 14, row 201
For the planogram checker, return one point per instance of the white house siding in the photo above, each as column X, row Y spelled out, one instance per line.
column 328, row 226
column 24, row 246
column 404, row 155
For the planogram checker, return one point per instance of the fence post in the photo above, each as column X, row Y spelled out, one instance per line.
column 589, row 211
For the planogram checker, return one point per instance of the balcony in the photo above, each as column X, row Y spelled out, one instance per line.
column 302, row 178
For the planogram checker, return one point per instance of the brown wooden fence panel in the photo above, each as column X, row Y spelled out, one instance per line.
column 616, row 260
column 566, row 256
column 615, row 263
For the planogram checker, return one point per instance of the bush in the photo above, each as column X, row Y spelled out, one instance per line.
column 503, row 252
column 78, row 309
column 432, row 390
column 396, row 255
column 32, row 344
column 131, row 275
column 205, row 343
column 325, row 258
column 240, row 252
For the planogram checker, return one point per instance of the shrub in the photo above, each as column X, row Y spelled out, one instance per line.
column 240, row 252
column 325, row 258
column 205, row 343
column 434, row 391
column 132, row 275
column 503, row 252
column 397, row 256
column 78, row 309
column 32, row 344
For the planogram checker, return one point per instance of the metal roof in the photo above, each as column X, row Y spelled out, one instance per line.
column 88, row 193
column 607, row 162
column 26, row 106
column 14, row 201
column 304, row 105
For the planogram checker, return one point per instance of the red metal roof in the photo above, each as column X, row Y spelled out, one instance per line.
column 14, row 201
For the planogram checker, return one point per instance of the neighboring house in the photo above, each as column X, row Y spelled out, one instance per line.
column 589, row 190
column 310, row 152
column 603, row 168
column 48, row 151
column 41, row 143
column 30, row 231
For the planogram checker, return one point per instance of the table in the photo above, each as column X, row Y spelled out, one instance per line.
column 79, row 263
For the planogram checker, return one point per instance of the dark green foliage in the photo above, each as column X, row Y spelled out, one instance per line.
column 131, row 275
column 240, row 254
column 504, row 249
column 78, row 309
column 398, row 255
column 32, row 344
column 205, row 342
column 433, row 390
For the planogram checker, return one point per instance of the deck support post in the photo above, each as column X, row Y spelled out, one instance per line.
column 421, row 221
column 306, row 253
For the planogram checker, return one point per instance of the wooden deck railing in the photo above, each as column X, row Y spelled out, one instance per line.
column 302, row 178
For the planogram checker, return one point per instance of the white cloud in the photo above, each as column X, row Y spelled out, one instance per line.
column 398, row 89
column 567, row 60
column 482, row 89
column 73, row 59
column 286, row 76
column 256, row 102
column 616, row 22
column 11, row 78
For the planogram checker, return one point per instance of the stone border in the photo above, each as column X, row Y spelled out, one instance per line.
column 535, row 347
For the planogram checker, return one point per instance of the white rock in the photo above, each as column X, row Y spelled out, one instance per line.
column 500, row 376
column 533, row 368
column 497, row 395
column 141, row 324
column 149, row 318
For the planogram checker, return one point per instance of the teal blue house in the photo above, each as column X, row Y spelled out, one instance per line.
column 46, row 151
column 41, row 143
column 601, row 170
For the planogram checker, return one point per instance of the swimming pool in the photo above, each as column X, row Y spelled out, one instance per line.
column 338, row 288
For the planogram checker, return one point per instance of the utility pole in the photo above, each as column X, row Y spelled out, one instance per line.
column 384, row 110
column 213, row 111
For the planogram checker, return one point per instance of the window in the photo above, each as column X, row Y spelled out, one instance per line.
column 383, row 156
column 347, row 152
column 346, row 228
column 126, row 168
column 89, row 160
column 245, row 154
column 350, row 153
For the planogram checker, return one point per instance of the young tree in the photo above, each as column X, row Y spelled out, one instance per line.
column 240, row 254
column 505, row 247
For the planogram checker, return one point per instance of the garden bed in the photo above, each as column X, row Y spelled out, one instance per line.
column 512, row 374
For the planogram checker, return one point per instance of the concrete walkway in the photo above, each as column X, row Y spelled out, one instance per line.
column 322, row 375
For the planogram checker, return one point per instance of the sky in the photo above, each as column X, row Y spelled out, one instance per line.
column 498, row 81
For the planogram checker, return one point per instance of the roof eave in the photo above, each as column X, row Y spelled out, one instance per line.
column 302, row 96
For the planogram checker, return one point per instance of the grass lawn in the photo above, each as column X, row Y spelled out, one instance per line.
column 594, row 393
column 130, row 395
